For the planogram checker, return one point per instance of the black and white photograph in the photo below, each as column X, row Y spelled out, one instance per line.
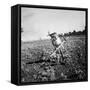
column 53, row 45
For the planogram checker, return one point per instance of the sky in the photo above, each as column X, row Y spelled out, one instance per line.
column 37, row 22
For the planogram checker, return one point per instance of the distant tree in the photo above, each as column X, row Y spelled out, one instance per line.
column 21, row 30
column 76, row 33
column 70, row 33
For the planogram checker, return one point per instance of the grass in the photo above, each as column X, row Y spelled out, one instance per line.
column 37, row 66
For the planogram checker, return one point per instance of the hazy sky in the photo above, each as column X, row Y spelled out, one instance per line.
column 36, row 22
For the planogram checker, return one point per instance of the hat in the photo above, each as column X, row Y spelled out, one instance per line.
column 52, row 34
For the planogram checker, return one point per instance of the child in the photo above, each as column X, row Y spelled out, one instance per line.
column 57, row 42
